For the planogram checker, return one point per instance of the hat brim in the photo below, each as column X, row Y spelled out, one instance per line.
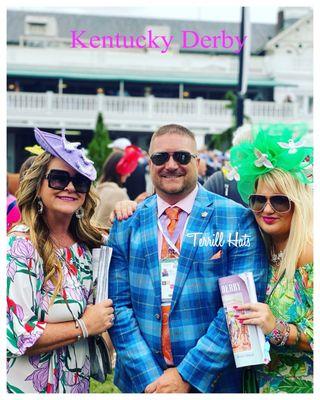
column 53, row 144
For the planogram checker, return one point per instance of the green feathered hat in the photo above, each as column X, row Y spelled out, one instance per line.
column 274, row 146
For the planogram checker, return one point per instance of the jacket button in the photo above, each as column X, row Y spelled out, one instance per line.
column 157, row 316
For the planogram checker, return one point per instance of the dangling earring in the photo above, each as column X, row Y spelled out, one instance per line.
column 39, row 206
column 80, row 213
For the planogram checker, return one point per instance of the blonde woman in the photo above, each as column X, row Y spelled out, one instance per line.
column 275, row 180
column 49, row 275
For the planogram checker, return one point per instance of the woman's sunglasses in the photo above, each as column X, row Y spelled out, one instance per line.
column 279, row 203
column 181, row 157
column 59, row 180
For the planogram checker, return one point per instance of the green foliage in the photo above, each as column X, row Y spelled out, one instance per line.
column 106, row 387
column 295, row 386
column 223, row 141
column 98, row 149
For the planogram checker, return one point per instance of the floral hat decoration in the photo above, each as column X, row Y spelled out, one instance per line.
column 274, row 146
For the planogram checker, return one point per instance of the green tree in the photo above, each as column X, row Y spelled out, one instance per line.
column 223, row 141
column 98, row 149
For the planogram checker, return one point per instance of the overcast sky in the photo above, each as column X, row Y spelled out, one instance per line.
column 213, row 13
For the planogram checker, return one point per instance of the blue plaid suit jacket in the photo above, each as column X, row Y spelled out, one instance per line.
column 199, row 337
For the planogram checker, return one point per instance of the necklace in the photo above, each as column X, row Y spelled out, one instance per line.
column 276, row 258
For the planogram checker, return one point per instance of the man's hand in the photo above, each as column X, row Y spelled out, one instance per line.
column 170, row 382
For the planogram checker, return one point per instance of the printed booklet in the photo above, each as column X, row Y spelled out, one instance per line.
column 247, row 341
column 101, row 258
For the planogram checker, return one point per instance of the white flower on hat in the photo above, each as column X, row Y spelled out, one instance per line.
column 68, row 146
column 262, row 159
column 291, row 145
column 84, row 157
column 233, row 174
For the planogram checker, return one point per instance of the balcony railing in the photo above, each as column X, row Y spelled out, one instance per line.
column 25, row 108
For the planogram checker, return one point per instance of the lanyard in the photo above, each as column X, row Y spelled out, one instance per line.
column 181, row 223
column 168, row 240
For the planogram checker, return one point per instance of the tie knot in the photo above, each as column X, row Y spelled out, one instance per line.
column 173, row 213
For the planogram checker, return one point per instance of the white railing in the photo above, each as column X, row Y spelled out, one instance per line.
column 82, row 109
column 266, row 109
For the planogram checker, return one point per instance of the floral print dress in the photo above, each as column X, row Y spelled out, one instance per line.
column 67, row 369
column 290, row 370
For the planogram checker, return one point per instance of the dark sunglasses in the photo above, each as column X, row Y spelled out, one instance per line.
column 59, row 180
column 181, row 157
column 279, row 203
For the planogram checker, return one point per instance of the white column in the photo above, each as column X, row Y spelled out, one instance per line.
column 247, row 107
column 150, row 100
column 200, row 139
column 181, row 89
column 199, row 101
column 49, row 100
column 121, row 89
column 60, row 86
column 100, row 101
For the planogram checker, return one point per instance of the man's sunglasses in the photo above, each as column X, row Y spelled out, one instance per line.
column 181, row 157
column 59, row 180
column 279, row 203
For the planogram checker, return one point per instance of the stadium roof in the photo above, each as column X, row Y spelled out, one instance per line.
column 151, row 77
column 108, row 25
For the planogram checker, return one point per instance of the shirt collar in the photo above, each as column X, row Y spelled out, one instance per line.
column 185, row 204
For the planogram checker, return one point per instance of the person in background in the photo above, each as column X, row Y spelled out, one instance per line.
column 202, row 170
column 170, row 331
column 224, row 182
column 116, row 169
column 119, row 144
column 136, row 181
column 49, row 273
column 275, row 180
column 204, row 154
column 13, row 212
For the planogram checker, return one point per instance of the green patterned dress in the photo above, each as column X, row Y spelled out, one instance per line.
column 66, row 369
column 290, row 370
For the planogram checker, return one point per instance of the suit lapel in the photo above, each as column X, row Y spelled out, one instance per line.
column 199, row 218
column 150, row 243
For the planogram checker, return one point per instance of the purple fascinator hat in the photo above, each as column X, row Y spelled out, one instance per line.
column 67, row 151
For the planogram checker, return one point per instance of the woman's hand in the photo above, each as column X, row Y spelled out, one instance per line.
column 99, row 317
column 123, row 210
column 259, row 314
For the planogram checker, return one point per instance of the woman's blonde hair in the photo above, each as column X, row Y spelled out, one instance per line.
column 301, row 227
column 81, row 229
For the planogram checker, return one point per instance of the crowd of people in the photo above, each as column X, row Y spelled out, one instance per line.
column 164, row 314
